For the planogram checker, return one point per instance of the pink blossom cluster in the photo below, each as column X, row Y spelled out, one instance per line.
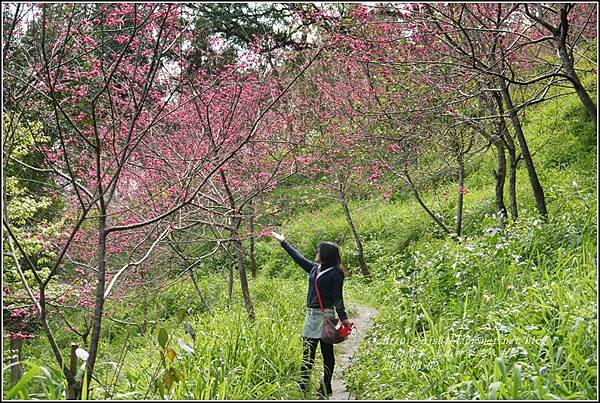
column 19, row 336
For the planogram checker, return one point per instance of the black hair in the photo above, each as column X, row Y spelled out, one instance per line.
column 329, row 255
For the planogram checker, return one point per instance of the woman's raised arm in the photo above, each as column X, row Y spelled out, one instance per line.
column 303, row 262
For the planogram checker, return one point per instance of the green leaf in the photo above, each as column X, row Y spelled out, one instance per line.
column 494, row 390
column 84, row 390
column 501, row 367
column 22, row 384
column 537, row 381
column 516, row 381
column 181, row 314
column 162, row 337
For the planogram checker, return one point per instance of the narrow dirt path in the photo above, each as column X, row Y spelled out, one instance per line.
column 363, row 317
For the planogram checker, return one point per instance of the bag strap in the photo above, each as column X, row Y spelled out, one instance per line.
column 317, row 288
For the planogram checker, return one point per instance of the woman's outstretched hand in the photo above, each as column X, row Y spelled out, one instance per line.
column 277, row 236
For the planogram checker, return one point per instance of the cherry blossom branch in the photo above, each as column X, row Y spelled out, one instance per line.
column 137, row 263
column 224, row 160
column 52, row 169
column 191, row 266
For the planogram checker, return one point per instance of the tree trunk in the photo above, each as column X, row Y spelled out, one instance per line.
column 230, row 263
column 16, row 371
column 512, row 184
column 583, row 95
column 74, row 387
column 499, row 174
column 144, row 316
column 239, row 251
column 359, row 247
column 100, row 286
column 144, row 326
column 199, row 292
column 461, row 194
column 538, row 191
column 509, row 144
column 229, row 285
column 569, row 65
column 251, row 251
column 413, row 188
column 500, row 178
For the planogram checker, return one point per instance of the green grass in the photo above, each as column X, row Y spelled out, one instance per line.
column 465, row 308
column 233, row 358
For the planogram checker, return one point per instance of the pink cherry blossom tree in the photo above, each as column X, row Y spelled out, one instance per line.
column 130, row 156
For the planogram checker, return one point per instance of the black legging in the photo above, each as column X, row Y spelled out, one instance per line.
column 310, row 347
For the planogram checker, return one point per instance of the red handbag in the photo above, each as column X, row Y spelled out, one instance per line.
column 333, row 331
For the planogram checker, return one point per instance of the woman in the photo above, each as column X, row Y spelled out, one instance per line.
column 330, row 282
